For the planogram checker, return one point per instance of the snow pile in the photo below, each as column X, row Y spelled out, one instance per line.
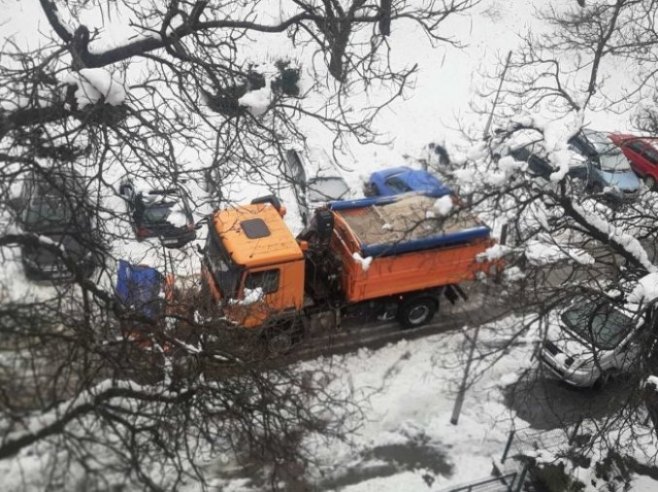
column 646, row 289
column 443, row 205
column 364, row 262
column 95, row 84
column 258, row 101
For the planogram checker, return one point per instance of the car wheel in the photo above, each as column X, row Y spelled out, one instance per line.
column 604, row 379
column 417, row 311
column 597, row 187
column 650, row 182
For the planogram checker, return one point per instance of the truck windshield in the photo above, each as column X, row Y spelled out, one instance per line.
column 226, row 273
column 600, row 324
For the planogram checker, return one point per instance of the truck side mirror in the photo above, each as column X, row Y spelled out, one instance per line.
column 271, row 199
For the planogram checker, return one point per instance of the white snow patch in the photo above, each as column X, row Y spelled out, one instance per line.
column 494, row 252
column 251, row 296
column 646, row 289
column 258, row 101
column 443, row 205
column 513, row 274
column 94, row 84
column 177, row 216
column 364, row 262
column 653, row 380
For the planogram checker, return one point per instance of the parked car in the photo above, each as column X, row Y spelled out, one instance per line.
column 162, row 213
column 316, row 180
column 608, row 170
column 590, row 341
column 403, row 179
column 642, row 155
column 55, row 206
column 595, row 161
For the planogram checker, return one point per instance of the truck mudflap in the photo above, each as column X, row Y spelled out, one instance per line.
column 454, row 293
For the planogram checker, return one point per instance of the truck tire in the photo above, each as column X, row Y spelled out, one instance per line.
column 417, row 311
column 280, row 339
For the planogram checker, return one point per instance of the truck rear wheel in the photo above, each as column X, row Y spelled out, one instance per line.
column 417, row 311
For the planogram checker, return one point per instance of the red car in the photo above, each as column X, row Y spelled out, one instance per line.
column 642, row 155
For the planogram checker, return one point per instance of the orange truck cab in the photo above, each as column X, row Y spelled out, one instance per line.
column 386, row 257
column 253, row 264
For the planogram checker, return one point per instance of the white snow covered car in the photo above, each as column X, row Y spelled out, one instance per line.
column 590, row 341
column 316, row 180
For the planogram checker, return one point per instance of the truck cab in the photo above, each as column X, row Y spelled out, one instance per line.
column 253, row 265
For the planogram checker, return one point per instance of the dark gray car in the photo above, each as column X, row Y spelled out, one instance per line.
column 55, row 207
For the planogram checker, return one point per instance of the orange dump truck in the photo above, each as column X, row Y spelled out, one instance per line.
column 385, row 257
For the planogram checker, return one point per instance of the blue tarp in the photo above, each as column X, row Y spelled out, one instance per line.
column 451, row 239
column 138, row 289
column 363, row 202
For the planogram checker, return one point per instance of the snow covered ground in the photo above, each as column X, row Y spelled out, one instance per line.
column 410, row 387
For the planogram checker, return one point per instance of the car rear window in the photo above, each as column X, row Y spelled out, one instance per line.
column 157, row 212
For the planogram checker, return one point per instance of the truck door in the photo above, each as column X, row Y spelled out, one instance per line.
column 267, row 292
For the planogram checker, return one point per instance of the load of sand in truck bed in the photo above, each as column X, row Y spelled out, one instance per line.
column 407, row 219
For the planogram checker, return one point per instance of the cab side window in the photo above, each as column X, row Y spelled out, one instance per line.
column 267, row 280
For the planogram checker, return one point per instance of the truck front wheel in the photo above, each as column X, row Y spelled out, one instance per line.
column 280, row 339
column 417, row 311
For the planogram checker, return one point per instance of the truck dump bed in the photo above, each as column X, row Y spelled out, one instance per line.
column 411, row 247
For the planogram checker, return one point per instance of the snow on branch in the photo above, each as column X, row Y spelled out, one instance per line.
column 94, row 84
column 40, row 426
column 624, row 240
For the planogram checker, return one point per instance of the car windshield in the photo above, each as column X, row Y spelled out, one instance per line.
column 48, row 211
column 327, row 189
column 600, row 324
column 611, row 157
